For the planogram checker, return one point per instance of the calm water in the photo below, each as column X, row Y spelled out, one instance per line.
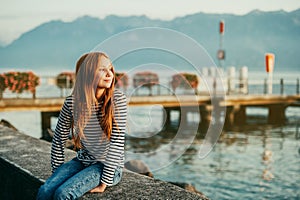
column 255, row 161
column 248, row 164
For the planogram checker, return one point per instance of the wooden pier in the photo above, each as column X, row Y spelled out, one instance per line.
column 235, row 106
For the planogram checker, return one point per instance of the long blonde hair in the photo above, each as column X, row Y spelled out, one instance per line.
column 84, row 94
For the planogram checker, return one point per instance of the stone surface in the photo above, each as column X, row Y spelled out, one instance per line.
column 25, row 164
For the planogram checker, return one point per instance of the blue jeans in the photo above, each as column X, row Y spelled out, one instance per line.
column 72, row 180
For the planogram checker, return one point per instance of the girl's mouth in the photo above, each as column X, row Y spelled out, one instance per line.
column 107, row 79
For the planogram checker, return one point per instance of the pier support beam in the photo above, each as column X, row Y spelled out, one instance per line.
column 167, row 116
column 276, row 114
column 205, row 117
column 240, row 116
column 46, row 123
column 183, row 116
column 235, row 115
column 229, row 119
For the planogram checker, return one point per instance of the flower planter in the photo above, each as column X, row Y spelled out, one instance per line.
column 145, row 79
column 17, row 82
column 185, row 80
column 65, row 80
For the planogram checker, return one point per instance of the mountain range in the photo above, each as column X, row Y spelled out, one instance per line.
column 56, row 45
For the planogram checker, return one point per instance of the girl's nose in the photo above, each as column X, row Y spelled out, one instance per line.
column 109, row 74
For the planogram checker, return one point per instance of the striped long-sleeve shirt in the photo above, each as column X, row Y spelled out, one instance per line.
column 95, row 145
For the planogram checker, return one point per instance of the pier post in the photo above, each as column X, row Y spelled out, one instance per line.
column 229, row 119
column 297, row 86
column 183, row 115
column 46, row 123
column 167, row 116
column 235, row 115
column 240, row 115
column 243, row 84
column 265, row 86
column 281, row 86
column 205, row 116
column 276, row 114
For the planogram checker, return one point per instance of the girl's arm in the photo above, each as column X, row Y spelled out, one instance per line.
column 117, row 139
column 61, row 134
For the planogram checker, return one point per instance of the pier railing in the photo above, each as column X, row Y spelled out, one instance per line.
column 48, row 88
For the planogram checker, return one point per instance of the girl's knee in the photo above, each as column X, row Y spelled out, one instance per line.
column 60, row 193
column 44, row 193
column 65, row 193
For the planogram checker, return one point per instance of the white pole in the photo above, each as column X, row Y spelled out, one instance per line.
column 270, row 83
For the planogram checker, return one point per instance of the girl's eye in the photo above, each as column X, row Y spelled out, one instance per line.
column 105, row 70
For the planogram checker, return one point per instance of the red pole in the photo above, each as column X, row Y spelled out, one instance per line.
column 222, row 27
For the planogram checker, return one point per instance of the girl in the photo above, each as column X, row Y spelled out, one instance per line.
column 96, row 114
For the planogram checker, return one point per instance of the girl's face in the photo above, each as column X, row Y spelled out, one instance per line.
column 105, row 73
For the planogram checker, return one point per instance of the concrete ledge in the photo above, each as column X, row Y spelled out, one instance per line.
column 25, row 164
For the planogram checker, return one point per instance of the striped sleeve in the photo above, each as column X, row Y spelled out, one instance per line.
column 115, row 155
column 61, row 134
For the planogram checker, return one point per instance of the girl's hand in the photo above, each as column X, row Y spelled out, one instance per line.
column 99, row 188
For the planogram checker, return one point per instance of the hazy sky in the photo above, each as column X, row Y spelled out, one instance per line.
column 17, row 17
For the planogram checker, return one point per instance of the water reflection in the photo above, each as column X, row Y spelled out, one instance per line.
column 160, row 150
column 267, row 156
column 250, row 161
column 238, row 136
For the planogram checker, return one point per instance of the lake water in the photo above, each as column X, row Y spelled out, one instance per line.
column 254, row 161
